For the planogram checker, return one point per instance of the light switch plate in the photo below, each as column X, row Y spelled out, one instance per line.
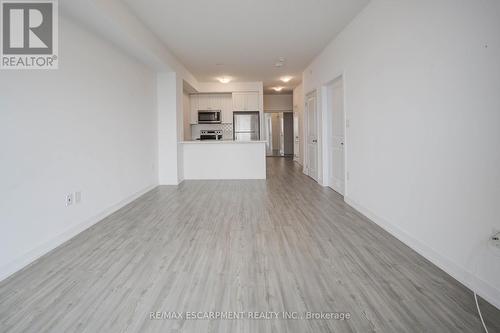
column 69, row 199
column 78, row 197
column 495, row 243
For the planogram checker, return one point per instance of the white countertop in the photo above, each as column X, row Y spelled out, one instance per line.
column 221, row 142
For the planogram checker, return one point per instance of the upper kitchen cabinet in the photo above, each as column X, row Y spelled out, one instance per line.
column 211, row 101
column 222, row 102
column 239, row 101
column 204, row 102
column 246, row 101
column 253, row 101
column 227, row 108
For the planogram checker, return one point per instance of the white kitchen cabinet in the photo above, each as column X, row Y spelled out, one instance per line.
column 223, row 102
column 215, row 102
column 253, row 102
column 203, row 102
column 193, row 101
column 239, row 101
column 227, row 108
column 210, row 101
column 246, row 101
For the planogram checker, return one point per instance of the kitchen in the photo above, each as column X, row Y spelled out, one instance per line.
column 223, row 137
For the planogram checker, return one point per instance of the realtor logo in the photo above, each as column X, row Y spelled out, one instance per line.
column 29, row 34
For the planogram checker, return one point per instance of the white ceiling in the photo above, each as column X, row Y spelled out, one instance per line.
column 245, row 38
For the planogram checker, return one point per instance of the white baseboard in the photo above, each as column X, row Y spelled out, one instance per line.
column 41, row 249
column 482, row 288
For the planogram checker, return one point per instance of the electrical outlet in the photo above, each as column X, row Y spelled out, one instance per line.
column 78, row 197
column 69, row 199
column 495, row 242
column 348, row 176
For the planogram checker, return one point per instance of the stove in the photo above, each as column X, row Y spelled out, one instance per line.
column 211, row 135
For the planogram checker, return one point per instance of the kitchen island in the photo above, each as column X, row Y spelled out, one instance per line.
column 224, row 159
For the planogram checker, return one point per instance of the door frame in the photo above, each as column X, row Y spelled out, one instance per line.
column 268, row 126
column 306, row 135
column 281, row 115
column 328, row 114
column 296, row 135
column 287, row 118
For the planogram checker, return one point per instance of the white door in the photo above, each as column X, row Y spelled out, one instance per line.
column 282, row 134
column 312, row 137
column 336, row 136
column 296, row 137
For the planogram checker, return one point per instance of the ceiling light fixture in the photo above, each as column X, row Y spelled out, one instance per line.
column 224, row 79
column 278, row 89
column 286, row 78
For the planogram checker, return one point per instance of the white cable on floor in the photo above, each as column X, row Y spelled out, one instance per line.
column 474, row 270
column 479, row 311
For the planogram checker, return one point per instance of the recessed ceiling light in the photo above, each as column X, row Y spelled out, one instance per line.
column 286, row 78
column 224, row 79
column 278, row 89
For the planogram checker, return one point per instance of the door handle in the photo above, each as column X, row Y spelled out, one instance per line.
column 315, row 141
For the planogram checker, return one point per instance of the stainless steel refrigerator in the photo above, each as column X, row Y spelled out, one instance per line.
column 246, row 126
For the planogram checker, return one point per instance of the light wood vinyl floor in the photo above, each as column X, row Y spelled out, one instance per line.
column 285, row 244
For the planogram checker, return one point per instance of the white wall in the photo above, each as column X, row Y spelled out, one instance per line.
column 167, row 128
column 422, row 82
column 170, row 128
column 89, row 126
column 217, row 87
column 115, row 21
column 278, row 103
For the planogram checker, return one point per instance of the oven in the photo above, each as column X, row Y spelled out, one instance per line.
column 210, row 135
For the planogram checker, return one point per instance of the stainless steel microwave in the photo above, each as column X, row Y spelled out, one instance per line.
column 209, row 117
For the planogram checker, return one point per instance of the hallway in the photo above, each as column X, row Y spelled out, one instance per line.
column 284, row 244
